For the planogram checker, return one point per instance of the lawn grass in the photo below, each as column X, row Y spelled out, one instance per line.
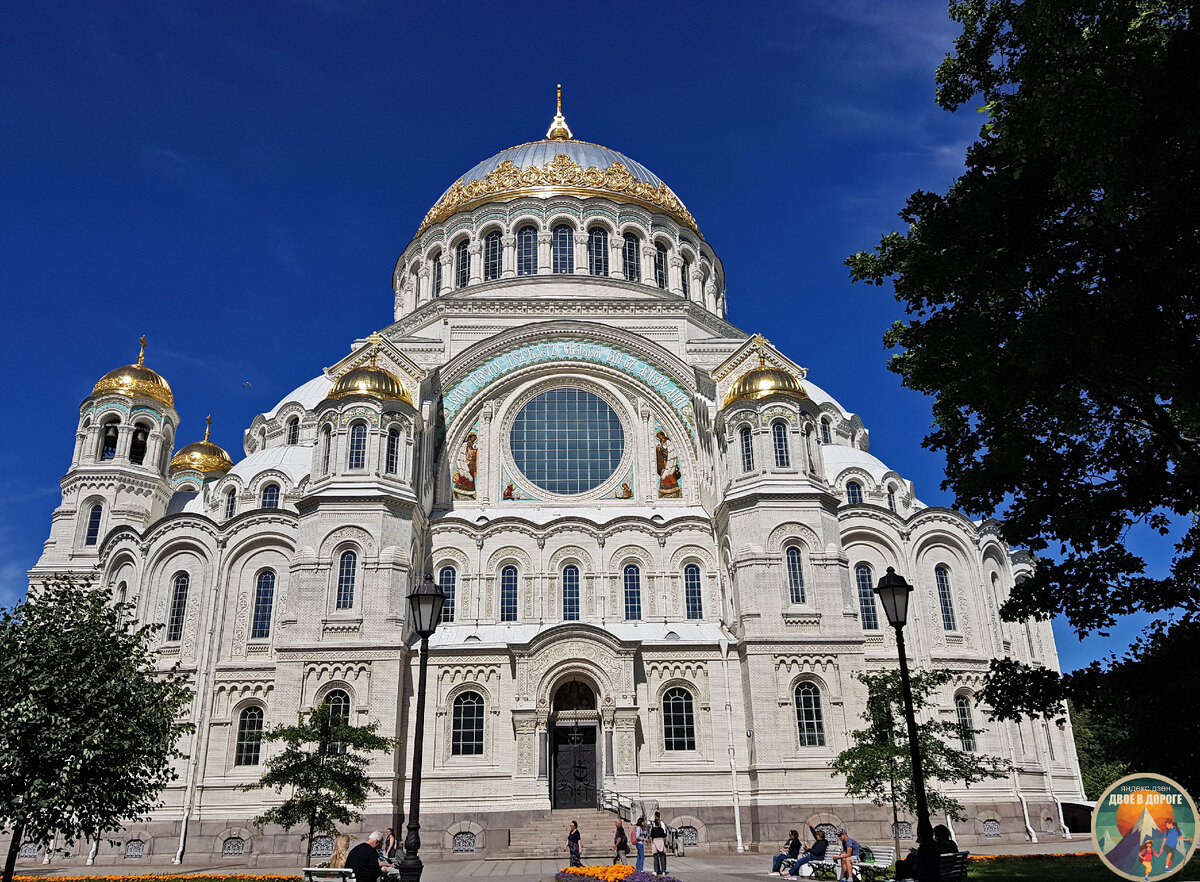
column 1052, row 868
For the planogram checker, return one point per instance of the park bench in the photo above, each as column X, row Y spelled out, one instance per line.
column 328, row 874
column 951, row 867
column 873, row 870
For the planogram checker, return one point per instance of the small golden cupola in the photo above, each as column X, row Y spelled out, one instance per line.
column 370, row 380
column 763, row 381
column 136, row 381
column 202, row 456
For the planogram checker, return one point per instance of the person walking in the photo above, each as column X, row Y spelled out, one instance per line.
column 575, row 845
column 639, row 843
column 658, row 843
column 620, row 843
column 789, row 849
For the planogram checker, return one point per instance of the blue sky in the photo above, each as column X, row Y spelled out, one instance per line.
column 236, row 180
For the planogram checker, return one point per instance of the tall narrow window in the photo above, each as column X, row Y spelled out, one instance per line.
column 660, row 265
column 92, row 536
column 493, row 256
column 339, row 710
column 825, row 436
column 570, row 593
column 462, row 265
column 633, row 593
column 779, row 440
column 436, row 274
column 891, row 490
column 467, row 736
column 527, row 251
column 942, row 575
column 293, row 431
column 563, row 249
column 327, row 449
column 809, row 719
column 249, row 737
column 692, row 595
column 684, row 283
column 631, row 257
column 108, row 439
column 795, row 574
column 854, row 492
column 179, row 593
column 865, row 583
column 598, row 251
column 679, row 725
column 347, row 570
column 966, row 726
column 356, row 457
column 508, row 594
column 747, row 450
column 264, row 602
column 270, row 496
column 137, row 446
column 230, row 503
column 447, row 579
column 392, row 460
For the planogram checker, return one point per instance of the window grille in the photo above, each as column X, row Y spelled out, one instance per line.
column 234, row 845
column 462, row 265
column 135, row 848
column 689, row 835
column 747, row 450
column 446, row 579
column 795, row 575
column 464, row 843
column 854, row 494
column 660, row 265
column 527, row 251
column 493, row 256
column 865, row 582
column 563, row 250
column 991, row 828
column 966, row 725
column 179, row 595
column 264, row 601
column 508, row 594
column 633, row 593
column 902, row 830
column 347, row 570
column 693, row 598
column 467, row 736
column 598, row 251
column 570, row 592
column 830, row 832
column 809, row 719
column 942, row 574
column 357, row 456
column 249, row 738
column 392, row 464
column 93, row 527
column 29, row 850
column 270, row 496
column 322, row 846
column 631, row 257
column 779, row 434
column 679, row 728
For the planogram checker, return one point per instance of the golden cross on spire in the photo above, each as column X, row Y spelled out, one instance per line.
column 207, row 426
column 762, row 354
column 374, row 340
column 560, row 99
column 142, row 354
column 559, row 130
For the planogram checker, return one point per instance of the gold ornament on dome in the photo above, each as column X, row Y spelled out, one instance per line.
column 561, row 176
column 136, row 381
column 370, row 380
column 202, row 456
column 764, row 381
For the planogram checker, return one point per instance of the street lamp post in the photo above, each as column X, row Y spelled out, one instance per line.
column 425, row 610
column 893, row 592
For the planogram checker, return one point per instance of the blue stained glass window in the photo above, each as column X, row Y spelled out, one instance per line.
column 809, row 719
column 854, row 492
column 357, row 457
column 467, row 735
column 825, row 436
column 462, row 265
column 508, row 594
column 567, row 441
column 570, row 589
column 347, row 570
column 563, row 249
column 865, row 583
column 270, row 496
column 679, row 724
column 446, row 578
column 693, row 599
column 527, row 251
column 660, row 265
column 249, row 737
column 783, row 458
column 944, row 598
column 264, row 600
column 492, row 255
column 684, row 284
column 179, row 593
column 436, row 284
column 598, row 251
column 631, row 255
column 633, row 593
column 93, row 528
column 747, row 450
column 393, row 451
column 230, row 504
column 795, row 574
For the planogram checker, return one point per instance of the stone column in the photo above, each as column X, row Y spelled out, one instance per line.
column 421, row 295
column 616, row 250
column 697, row 280
column 675, row 275
column 447, row 261
column 607, row 716
column 509, row 259
column 581, row 254
column 474, row 263
column 648, row 252
column 124, row 439
column 710, row 295
column 544, row 239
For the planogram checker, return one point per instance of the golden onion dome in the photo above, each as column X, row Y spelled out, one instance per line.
column 370, row 380
column 136, row 381
column 764, row 381
column 202, row 456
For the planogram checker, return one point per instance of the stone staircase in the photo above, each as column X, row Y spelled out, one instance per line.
column 546, row 837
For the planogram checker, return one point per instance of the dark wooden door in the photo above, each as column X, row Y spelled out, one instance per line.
column 574, row 783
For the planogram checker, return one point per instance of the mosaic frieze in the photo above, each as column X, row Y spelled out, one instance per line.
column 466, row 465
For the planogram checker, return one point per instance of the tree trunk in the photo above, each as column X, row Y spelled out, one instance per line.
column 307, row 854
column 14, row 849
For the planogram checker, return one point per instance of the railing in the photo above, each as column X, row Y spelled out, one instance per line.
column 612, row 801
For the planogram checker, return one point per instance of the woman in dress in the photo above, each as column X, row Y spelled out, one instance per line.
column 574, row 845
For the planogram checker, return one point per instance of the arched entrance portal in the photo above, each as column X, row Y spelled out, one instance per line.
column 574, row 723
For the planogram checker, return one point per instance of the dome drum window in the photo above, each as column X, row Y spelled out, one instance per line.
column 562, row 251
column 598, row 251
column 462, row 265
column 527, row 251
column 631, row 257
column 493, row 256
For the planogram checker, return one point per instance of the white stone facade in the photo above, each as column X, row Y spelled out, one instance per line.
column 710, row 570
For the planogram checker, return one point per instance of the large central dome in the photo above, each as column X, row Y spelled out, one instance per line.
column 556, row 165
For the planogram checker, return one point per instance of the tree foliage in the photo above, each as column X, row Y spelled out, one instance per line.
column 879, row 760
column 321, row 765
column 88, row 726
column 1053, row 297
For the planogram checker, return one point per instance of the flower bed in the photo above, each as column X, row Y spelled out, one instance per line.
column 610, row 873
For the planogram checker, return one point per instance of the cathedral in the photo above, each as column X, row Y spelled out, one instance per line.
column 658, row 539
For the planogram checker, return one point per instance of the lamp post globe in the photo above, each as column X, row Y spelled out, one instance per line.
column 425, row 604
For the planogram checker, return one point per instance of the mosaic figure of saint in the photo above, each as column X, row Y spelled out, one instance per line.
column 624, row 492
column 668, row 467
column 510, row 492
column 466, row 467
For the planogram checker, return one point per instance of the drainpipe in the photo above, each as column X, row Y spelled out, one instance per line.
column 737, row 811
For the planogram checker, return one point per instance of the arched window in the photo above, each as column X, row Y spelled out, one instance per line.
column 435, row 272
column 825, row 436
column 633, row 593
column 779, row 438
column 854, row 492
column 356, row 456
column 249, row 737
column 230, row 503
column 293, row 431
column 660, row 265
column 527, row 251
column 747, row 449
column 891, row 491
column 942, row 575
column 462, row 264
column 684, row 283
column 679, row 725
column 109, row 433
column 92, row 536
column 392, row 461
column 966, row 726
column 264, row 601
column 598, row 251
column 570, row 593
column 347, row 570
column 809, row 720
column 467, row 737
column 137, row 446
column 631, row 257
column 122, row 592
column 327, row 449
column 493, row 256
column 270, row 496
column 179, row 593
column 865, row 583
column 795, row 574
column 508, row 594
column 692, row 594
column 339, row 709
column 563, row 249
column 446, row 579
